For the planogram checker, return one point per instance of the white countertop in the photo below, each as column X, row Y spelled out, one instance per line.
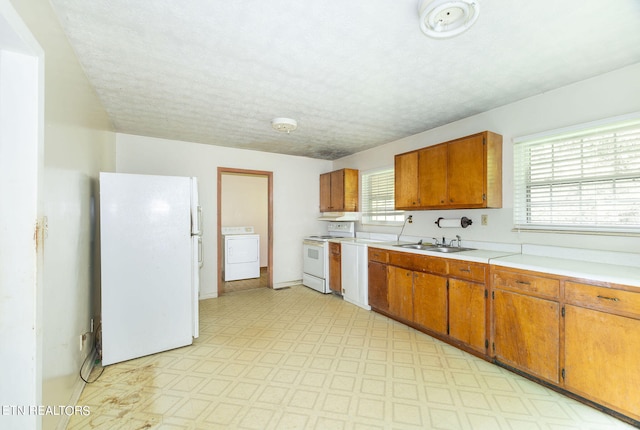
column 476, row 255
column 604, row 272
column 356, row 240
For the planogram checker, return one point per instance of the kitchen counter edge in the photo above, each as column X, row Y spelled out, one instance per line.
column 601, row 272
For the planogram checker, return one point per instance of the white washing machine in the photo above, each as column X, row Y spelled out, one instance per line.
column 241, row 253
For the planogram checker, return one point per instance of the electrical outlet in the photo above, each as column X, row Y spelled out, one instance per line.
column 484, row 219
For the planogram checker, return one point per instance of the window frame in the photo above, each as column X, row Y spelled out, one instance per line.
column 366, row 214
column 583, row 180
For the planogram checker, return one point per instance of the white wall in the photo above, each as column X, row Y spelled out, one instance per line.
column 245, row 202
column 68, row 290
column 295, row 194
column 78, row 144
column 21, row 107
column 604, row 96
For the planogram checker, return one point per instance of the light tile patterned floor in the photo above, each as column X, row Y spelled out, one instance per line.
column 297, row 359
column 247, row 284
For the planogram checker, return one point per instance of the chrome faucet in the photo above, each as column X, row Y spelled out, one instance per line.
column 409, row 220
column 458, row 241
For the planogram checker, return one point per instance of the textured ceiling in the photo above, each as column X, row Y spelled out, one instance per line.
column 354, row 74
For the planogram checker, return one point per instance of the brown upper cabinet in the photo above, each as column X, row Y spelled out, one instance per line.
column 339, row 191
column 461, row 173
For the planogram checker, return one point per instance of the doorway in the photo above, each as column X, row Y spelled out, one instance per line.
column 245, row 198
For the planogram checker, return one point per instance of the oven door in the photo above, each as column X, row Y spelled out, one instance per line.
column 314, row 262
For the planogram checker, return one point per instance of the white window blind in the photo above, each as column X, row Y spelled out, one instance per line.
column 378, row 198
column 586, row 178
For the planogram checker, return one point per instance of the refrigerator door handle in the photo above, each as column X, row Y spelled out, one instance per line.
column 196, row 227
column 199, row 220
column 200, row 252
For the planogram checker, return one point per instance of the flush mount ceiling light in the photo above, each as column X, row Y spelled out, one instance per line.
column 447, row 18
column 285, row 125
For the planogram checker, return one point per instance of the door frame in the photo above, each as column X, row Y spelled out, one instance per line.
column 22, row 84
column 262, row 173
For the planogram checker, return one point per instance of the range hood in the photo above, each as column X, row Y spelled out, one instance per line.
column 339, row 216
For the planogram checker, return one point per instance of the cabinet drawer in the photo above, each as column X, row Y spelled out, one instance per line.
column 602, row 298
column 418, row 263
column 536, row 285
column 468, row 271
column 401, row 259
column 379, row 255
column 435, row 265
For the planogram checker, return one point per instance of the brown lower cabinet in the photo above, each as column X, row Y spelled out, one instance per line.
column 467, row 313
column 602, row 345
column 526, row 333
column 577, row 336
column 432, row 294
column 400, row 291
column 430, row 301
column 335, row 267
column 378, row 289
column 526, row 323
column 582, row 338
column 378, row 296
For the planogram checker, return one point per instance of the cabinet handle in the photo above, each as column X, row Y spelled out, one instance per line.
column 613, row 299
column 523, row 282
column 465, row 270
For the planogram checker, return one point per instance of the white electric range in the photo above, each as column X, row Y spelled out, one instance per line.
column 316, row 255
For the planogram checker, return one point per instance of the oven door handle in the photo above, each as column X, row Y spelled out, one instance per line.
column 313, row 242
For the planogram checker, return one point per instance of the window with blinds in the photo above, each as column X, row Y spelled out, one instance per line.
column 378, row 198
column 585, row 178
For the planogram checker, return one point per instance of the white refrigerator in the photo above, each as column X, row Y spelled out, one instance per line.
column 151, row 254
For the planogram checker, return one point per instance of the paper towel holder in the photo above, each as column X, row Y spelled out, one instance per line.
column 463, row 222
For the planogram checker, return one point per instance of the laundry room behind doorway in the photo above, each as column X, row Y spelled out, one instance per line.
column 244, row 202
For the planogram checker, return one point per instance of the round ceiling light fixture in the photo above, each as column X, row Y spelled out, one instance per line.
column 447, row 18
column 285, row 125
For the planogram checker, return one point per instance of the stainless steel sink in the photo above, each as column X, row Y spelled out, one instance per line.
column 419, row 246
column 430, row 247
column 449, row 249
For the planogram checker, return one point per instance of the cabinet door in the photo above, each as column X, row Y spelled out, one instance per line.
column 601, row 358
column 325, row 192
column 335, row 268
column 337, row 190
column 466, row 173
column 430, row 301
column 406, row 180
column 527, row 333
column 378, row 286
column 351, row 180
column 432, row 179
column 401, row 292
column 467, row 313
